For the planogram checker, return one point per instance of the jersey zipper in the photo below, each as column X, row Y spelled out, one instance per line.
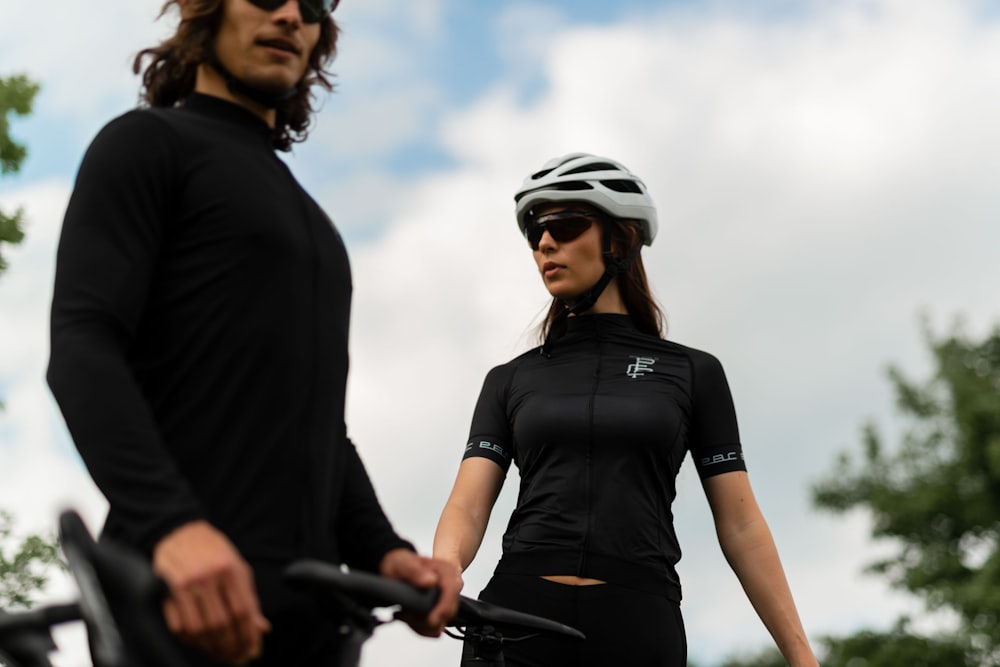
column 588, row 468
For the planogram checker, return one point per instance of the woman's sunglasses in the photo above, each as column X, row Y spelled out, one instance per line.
column 563, row 226
column 313, row 11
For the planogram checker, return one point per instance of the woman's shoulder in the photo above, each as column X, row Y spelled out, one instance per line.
column 502, row 374
column 700, row 359
column 512, row 365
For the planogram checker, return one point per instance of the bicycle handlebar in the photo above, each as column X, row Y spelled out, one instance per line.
column 120, row 600
column 26, row 637
column 42, row 618
column 374, row 591
column 368, row 590
column 477, row 612
column 79, row 548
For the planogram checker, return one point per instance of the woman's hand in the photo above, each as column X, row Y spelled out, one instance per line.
column 424, row 572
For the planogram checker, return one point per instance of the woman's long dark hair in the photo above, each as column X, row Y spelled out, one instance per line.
column 632, row 285
column 170, row 76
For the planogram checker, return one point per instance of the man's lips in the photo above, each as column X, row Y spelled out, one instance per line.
column 281, row 45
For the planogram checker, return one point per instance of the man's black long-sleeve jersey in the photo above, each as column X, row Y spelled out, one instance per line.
column 598, row 428
column 199, row 341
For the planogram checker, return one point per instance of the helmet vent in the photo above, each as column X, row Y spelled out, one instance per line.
column 593, row 166
column 540, row 174
column 622, row 186
column 571, row 185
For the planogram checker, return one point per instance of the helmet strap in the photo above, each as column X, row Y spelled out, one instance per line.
column 240, row 87
column 586, row 301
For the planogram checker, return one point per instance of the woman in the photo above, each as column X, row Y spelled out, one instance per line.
column 598, row 420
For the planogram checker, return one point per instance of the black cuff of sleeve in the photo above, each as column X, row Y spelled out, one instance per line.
column 488, row 448
column 717, row 460
column 371, row 560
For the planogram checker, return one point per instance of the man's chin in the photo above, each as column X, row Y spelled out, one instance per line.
column 273, row 85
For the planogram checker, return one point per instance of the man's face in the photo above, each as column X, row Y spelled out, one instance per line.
column 268, row 50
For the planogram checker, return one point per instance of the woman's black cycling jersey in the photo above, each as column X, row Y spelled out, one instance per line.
column 598, row 429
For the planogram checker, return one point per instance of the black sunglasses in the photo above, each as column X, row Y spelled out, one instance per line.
column 563, row 226
column 313, row 11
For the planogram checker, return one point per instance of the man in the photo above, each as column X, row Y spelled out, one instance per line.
column 199, row 339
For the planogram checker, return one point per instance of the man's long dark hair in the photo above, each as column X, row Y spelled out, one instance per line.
column 170, row 75
column 632, row 285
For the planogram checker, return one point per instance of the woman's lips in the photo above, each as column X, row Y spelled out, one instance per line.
column 549, row 269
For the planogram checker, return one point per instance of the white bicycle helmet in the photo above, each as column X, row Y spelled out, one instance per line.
column 600, row 182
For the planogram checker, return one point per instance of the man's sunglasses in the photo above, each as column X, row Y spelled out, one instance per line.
column 313, row 11
column 563, row 226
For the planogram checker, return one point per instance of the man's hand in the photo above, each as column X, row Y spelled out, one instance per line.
column 213, row 601
column 423, row 572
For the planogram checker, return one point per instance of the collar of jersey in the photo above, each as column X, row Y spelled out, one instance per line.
column 597, row 323
column 216, row 107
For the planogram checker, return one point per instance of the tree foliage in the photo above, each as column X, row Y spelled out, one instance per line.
column 23, row 570
column 17, row 93
column 898, row 646
column 869, row 648
column 935, row 495
column 769, row 657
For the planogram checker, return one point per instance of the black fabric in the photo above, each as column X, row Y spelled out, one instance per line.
column 622, row 626
column 199, row 341
column 599, row 428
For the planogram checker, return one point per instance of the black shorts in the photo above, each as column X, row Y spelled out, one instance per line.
column 623, row 626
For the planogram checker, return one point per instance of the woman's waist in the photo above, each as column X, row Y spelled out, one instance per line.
column 575, row 566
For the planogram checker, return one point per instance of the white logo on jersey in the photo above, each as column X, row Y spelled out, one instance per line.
column 641, row 366
column 721, row 458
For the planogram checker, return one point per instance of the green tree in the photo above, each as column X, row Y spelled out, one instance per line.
column 869, row 648
column 16, row 96
column 23, row 571
column 769, row 657
column 935, row 495
column 898, row 646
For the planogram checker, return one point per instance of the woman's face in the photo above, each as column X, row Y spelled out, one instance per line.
column 569, row 268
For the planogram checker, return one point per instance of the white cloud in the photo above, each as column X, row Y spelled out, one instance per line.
column 39, row 474
column 392, row 113
column 424, row 19
column 81, row 53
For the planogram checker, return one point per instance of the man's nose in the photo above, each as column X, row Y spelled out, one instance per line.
column 288, row 13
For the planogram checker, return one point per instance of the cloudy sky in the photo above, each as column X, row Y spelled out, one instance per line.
column 825, row 172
